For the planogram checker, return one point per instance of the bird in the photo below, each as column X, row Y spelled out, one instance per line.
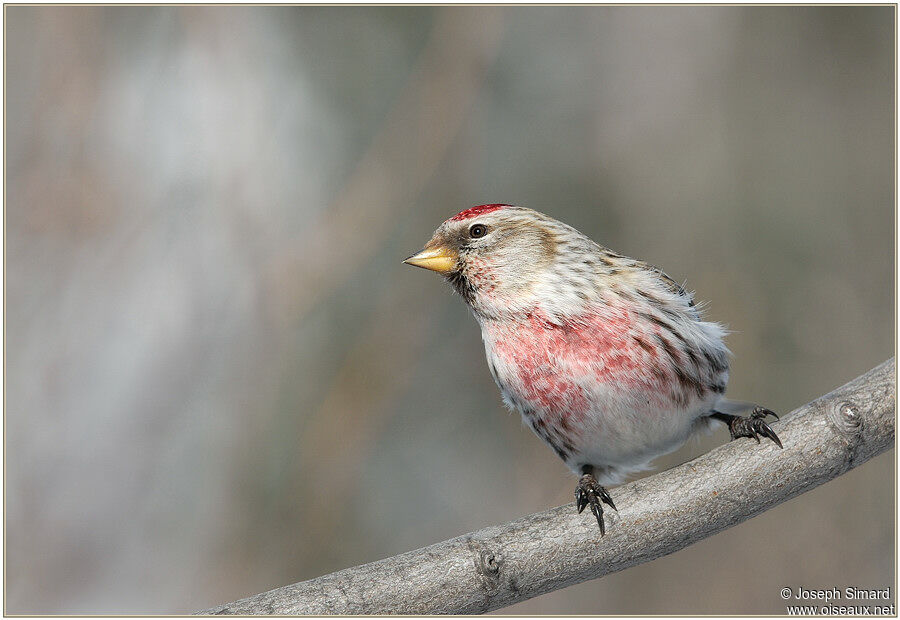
column 608, row 360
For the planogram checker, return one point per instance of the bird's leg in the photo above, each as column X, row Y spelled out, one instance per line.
column 589, row 492
column 752, row 426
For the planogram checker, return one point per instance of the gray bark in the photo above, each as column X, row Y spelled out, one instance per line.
column 658, row 515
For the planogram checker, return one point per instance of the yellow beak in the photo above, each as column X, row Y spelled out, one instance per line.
column 440, row 259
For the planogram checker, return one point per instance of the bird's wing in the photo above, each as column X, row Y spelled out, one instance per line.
column 672, row 285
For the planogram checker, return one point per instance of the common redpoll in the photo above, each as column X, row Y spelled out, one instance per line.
column 607, row 358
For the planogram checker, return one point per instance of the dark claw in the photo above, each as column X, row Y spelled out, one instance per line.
column 766, row 431
column 743, row 427
column 598, row 512
column 752, row 426
column 606, row 499
column 762, row 412
column 581, row 500
column 590, row 493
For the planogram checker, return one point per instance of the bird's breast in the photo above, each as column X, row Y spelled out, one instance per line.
column 558, row 367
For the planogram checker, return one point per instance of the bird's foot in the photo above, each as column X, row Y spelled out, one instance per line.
column 752, row 426
column 588, row 492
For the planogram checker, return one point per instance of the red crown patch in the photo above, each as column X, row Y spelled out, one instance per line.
column 475, row 211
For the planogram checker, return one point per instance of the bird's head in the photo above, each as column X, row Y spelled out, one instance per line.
column 504, row 259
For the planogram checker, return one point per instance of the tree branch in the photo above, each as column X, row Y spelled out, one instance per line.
column 658, row 515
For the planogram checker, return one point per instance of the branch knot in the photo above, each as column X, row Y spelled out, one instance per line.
column 488, row 566
column 846, row 419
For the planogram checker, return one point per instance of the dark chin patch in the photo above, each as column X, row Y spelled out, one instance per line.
column 462, row 285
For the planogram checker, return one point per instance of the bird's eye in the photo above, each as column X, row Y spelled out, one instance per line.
column 477, row 230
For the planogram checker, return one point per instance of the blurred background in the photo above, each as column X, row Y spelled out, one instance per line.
column 219, row 377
